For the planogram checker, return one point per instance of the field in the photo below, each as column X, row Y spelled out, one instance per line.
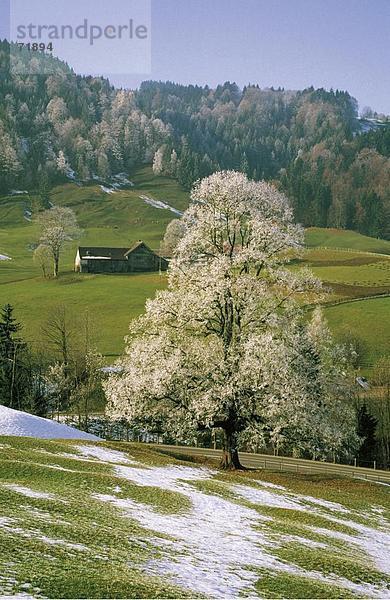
column 117, row 520
column 340, row 238
column 351, row 265
column 358, row 303
column 366, row 319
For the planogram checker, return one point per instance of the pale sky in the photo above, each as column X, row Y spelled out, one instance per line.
column 290, row 43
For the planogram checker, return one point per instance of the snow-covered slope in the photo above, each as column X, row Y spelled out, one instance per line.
column 129, row 521
column 16, row 422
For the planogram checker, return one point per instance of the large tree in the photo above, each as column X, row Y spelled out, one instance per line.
column 58, row 226
column 225, row 345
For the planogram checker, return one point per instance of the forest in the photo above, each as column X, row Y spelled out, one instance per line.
column 55, row 124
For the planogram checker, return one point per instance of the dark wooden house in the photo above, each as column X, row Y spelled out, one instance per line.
column 136, row 259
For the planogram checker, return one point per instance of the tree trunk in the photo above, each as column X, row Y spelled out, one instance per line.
column 56, row 265
column 86, row 411
column 230, row 459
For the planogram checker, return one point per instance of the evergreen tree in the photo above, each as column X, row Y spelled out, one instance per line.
column 43, row 187
column 14, row 373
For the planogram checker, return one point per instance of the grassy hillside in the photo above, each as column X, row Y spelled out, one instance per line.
column 120, row 218
column 116, row 520
column 368, row 320
column 354, row 277
column 350, row 274
column 346, row 261
column 344, row 238
column 110, row 302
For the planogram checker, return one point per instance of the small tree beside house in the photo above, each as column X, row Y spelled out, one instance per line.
column 57, row 227
column 226, row 345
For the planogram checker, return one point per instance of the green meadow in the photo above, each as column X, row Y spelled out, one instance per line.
column 340, row 238
column 351, row 265
column 358, row 282
column 367, row 319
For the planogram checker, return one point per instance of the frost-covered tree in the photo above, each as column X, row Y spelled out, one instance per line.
column 62, row 163
column 225, row 346
column 174, row 232
column 57, row 110
column 10, row 166
column 173, row 163
column 158, row 162
column 58, row 226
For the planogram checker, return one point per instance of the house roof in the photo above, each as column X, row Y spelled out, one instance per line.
column 104, row 253
column 138, row 245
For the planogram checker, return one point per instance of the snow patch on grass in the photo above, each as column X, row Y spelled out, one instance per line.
column 59, row 468
column 374, row 542
column 212, row 544
column 9, row 587
column 160, row 204
column 335, row 506
column 166, row 478
column 45, row 516
column 268, row 484
column 57, row 542
column 28, row 492
column 105, row 455
column 107, row 190
column 285, row 500
column 9, row 525
column 217, row 547
column 267, row 498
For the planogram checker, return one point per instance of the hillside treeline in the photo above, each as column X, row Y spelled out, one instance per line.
column 310, row 143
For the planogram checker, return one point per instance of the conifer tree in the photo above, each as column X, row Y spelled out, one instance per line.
column 14, row 375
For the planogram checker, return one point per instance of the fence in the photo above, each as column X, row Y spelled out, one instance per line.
column 122, row 432
column 352, row 250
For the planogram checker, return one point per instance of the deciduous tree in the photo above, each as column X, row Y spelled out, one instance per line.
column 225, row 345
column 58, row 226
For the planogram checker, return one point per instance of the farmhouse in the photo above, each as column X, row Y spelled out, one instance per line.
column 136, row 259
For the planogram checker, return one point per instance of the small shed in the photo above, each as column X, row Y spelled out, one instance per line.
column 138, row 258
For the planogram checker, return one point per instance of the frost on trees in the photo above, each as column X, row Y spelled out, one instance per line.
column 226, row 346
column 57, row 227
